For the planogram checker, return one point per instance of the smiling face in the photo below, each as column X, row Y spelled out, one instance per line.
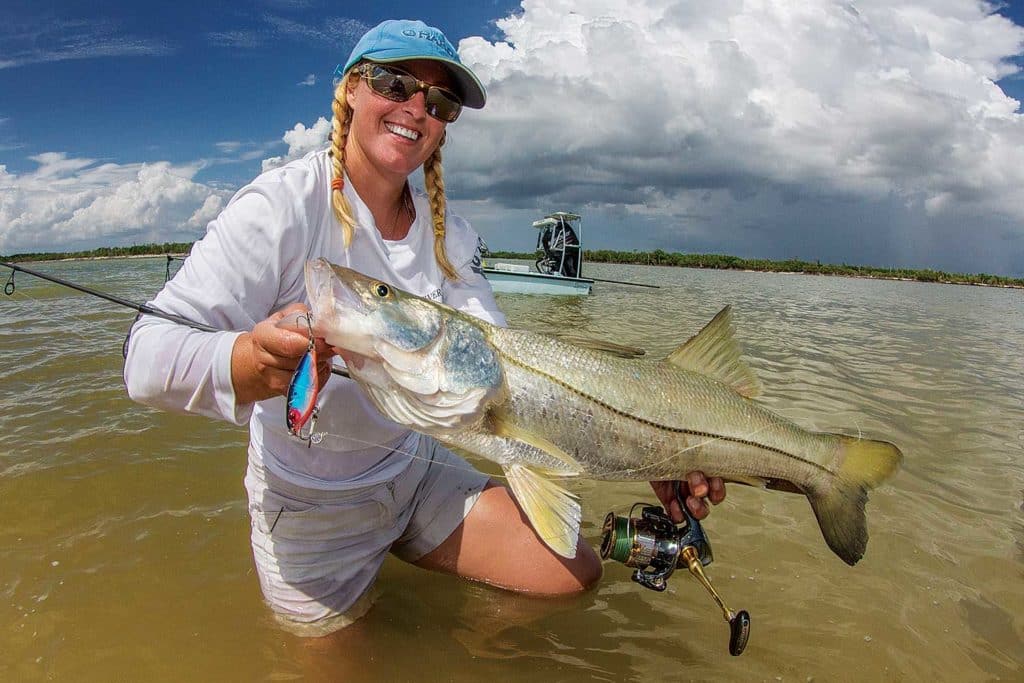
column 393, row 139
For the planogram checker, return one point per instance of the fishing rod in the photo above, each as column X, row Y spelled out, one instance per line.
column 144, row 309
column 653, row 545
column 141, row 308
column 622, row 282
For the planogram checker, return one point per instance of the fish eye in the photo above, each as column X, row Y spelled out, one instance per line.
column 381, row 290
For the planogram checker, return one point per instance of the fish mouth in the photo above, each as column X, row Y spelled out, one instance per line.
column 330, row 297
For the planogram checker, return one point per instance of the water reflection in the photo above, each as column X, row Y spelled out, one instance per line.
column 548, row 314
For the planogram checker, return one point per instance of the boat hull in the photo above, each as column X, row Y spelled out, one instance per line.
column 511, row 282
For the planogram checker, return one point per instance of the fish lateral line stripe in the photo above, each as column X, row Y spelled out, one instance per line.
column 651, row 423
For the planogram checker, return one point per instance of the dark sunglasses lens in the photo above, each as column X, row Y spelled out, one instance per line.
column 442, row 106
column 392, row 86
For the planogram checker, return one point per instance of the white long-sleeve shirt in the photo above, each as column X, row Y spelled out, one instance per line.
column 250, row 264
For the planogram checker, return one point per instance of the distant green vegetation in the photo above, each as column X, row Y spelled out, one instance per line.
column 725, row 262
column 105, row 252
column 649, row 258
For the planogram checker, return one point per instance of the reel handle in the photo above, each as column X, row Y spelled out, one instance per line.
column 695, row 557
column 739, row 622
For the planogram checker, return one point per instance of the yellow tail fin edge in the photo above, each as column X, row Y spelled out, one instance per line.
column 865, row 464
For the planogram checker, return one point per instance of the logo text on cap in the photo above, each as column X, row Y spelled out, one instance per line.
column 434, row 37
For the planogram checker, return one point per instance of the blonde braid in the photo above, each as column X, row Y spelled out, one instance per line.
column 434, row 180
column 339, row 135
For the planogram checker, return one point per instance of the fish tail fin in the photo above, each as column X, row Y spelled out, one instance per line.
column 839, row 507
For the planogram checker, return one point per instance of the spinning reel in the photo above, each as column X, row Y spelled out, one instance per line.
column 654, row 546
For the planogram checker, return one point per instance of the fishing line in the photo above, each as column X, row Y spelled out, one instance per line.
column 9, row 290
column 471, row 468
column 748, row 438
column 412, row 454
column 633, row 470
column 146, row 309
column 143, row 309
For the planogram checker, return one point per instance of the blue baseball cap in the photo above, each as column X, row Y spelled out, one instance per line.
column 397, row 40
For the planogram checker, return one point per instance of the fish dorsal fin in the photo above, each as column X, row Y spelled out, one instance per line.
column 713, row 351
column 510, row 430
column 619, row 350
column 553, row 512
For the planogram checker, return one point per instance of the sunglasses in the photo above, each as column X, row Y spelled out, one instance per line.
column 399, row 86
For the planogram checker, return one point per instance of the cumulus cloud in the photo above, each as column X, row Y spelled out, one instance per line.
column 741, row 119
column 301, row 140
column 68, row 201
column 310, row 79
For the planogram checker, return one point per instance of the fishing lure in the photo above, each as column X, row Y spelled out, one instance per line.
column 303, row 391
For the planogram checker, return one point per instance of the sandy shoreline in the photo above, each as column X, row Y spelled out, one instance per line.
column 110, row 258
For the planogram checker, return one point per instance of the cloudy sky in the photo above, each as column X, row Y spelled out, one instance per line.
column 882, row 132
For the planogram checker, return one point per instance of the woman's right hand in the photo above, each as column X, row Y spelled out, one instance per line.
column 264, row 360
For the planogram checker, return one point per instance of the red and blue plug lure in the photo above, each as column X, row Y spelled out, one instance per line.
column 303, row 390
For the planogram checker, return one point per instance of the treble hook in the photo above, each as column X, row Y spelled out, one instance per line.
column 308, row 319
column 9, row 287
column 305, row 318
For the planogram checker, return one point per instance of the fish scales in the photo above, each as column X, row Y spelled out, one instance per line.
column 543, row 408
column 624, row 419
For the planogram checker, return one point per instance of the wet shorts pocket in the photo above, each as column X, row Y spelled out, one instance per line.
column 283, row 517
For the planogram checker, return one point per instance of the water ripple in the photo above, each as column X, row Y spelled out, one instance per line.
column 116, row 512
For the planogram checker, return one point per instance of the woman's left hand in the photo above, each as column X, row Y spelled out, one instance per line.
column 696, row 490
column 264, row 359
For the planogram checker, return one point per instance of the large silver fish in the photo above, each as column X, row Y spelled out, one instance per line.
column 543, row 408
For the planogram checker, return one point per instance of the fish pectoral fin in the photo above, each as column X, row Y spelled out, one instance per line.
column 510, row 430
column 713, row 351
column 553, row 512
column 618, row 350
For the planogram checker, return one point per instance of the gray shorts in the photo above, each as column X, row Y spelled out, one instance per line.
column 318, row 552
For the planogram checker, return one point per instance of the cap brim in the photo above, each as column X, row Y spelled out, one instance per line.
column 471, row 91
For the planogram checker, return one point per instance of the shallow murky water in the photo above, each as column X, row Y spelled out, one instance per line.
column 124, row 549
